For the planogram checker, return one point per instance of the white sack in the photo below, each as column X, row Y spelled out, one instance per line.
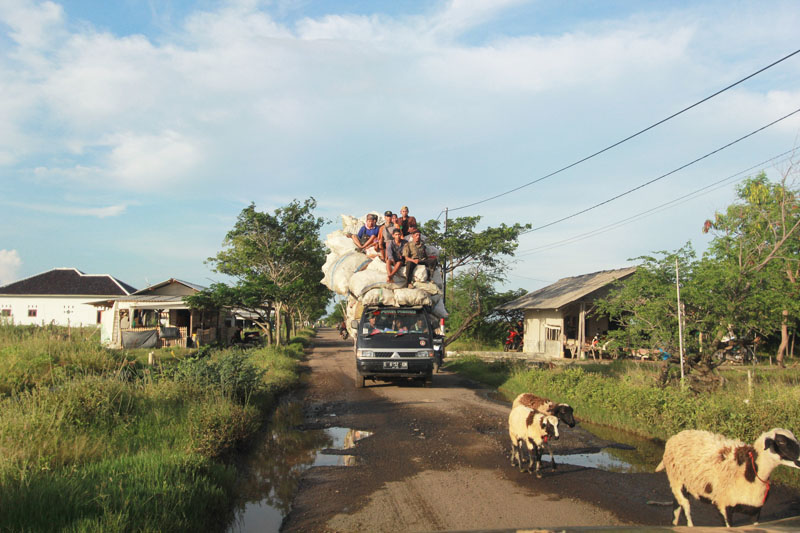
column 377, row 265
column 432, row 251
column 343, row 270
column 437, row 278
column 330, row 260
column 420, row 273
column 439, row 310
column 339, row 243
column 365, row 280
column 351, row 224
column 411, row 297
column 427, row 286
column 379, row 296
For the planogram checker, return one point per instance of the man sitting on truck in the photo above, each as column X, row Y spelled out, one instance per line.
column 406, row 222
column 368, row 234
column 394, row 254
column 415, row 255
column 385, row 234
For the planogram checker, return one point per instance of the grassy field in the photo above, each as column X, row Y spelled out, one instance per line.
column 625, row 395
column 96, row 440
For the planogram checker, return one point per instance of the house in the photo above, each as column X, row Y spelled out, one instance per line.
column 157, row 316
column 556, row 317
column 60, row 296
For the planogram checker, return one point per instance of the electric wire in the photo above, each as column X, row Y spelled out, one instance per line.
column 628, row 138
column 662, row 176
column 657, row 209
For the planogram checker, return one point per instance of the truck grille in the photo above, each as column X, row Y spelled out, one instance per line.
column 389, row 354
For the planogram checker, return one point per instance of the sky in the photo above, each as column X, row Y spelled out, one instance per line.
column 134, row 132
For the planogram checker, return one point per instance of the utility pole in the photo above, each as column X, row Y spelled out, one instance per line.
column 680, row 322
column 444, row 262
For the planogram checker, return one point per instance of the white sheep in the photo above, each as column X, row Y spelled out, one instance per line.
column 528, row 427
column 547, row 407
column 727, row 472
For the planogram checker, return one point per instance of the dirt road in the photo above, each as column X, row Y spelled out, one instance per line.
column 438, row 460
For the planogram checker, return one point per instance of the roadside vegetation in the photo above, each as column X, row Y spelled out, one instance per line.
column 97, row 440
column 628, row 395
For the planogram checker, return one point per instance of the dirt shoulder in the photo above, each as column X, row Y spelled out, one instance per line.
column 438, row 460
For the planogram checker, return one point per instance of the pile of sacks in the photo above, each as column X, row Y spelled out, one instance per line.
column 362, row 276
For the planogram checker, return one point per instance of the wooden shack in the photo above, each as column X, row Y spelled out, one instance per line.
column 558, row 322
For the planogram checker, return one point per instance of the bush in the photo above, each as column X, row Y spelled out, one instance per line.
column 219, row 426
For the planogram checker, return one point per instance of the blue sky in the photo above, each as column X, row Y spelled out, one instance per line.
column 134, row 131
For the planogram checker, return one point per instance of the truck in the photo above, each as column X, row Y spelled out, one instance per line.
column 396, row 343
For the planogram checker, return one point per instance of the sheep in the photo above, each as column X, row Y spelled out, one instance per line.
column 526, row 426
column 730, row 474
column 542, row 405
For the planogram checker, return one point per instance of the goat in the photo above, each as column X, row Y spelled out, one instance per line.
column 562, row 411
column 732, row 475
column 528, row 427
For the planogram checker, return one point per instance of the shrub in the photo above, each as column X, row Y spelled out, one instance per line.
column 219, row 426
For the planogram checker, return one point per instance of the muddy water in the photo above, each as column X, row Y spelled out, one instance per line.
column 273, row 470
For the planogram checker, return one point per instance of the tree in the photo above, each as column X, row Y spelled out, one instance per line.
column 276, row 260
column 483, row 253
column 758, row 238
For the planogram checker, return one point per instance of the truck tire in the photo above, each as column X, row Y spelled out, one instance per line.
column 428, row 381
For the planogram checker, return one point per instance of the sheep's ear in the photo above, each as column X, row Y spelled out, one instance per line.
column 769, row 444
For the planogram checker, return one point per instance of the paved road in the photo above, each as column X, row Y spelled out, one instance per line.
column 438, row 461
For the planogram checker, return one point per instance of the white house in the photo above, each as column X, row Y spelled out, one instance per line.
column 557, row 317
column 60, row 296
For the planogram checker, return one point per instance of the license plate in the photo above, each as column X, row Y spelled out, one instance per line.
column 398, row 365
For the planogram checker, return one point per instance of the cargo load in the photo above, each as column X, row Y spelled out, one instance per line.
column 361, row 276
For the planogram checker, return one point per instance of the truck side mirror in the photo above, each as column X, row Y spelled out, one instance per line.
column 354, row 324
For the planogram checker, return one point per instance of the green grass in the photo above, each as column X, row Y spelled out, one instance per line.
column 95, row 440
column 625, row 395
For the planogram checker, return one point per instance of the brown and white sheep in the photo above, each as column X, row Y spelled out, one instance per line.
column 532, row 429
column 542, row 405
column 729, row 473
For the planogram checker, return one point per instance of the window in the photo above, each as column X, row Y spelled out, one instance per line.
column 552, row 333
column 5, row 312
column 99, row 317
column 32, row 313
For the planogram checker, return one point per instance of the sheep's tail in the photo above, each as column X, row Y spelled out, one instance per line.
column 660, row 466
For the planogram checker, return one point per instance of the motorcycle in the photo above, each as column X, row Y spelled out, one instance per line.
column 513, row 341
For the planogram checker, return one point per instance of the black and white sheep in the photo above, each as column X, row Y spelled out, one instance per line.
column 731, row 474
column 542, row 405
column 531, row 429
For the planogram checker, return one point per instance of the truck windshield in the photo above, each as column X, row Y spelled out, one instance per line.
column 393, row 322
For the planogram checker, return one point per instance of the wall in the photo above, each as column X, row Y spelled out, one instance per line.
column 535, row 340
column 60, row 310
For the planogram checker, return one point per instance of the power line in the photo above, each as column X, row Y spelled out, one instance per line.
column 662, row 176
column 652, row 211
column 607, row 148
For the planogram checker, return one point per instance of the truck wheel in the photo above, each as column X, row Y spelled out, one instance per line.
column 359, row 380
column 428, row 381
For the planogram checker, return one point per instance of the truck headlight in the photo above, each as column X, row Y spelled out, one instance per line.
column 366, row 353
column 424, row 353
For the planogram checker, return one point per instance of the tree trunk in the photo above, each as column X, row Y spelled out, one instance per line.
column 278, row 323
column 288, row 319
column 782, row 349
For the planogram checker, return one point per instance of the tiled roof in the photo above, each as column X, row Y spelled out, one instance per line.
column 69, row 281
column 567, row 290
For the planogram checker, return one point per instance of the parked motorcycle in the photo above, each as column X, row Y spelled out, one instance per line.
column 513, row 341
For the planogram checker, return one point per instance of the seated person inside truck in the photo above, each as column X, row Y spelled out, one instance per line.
column 394, row 254
column 367, row 236
column 385, row 234
column 415, row 254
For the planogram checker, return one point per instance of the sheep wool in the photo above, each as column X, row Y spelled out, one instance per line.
column 729, row 473
column 532, row 429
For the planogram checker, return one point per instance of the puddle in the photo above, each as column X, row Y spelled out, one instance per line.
column 634, row 455
column 274, row 468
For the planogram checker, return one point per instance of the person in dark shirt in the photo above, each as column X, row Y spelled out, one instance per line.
column 406, row 222
column 394, row 254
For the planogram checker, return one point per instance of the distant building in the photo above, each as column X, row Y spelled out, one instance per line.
column 59, row 296
column 556, row 319
column 157, row 316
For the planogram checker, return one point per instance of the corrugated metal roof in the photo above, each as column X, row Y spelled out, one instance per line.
column 567, row 290
column 68, row 282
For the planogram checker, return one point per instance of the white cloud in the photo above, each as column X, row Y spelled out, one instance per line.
column 10, row 263
column 32, row 25
column 99, row 212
